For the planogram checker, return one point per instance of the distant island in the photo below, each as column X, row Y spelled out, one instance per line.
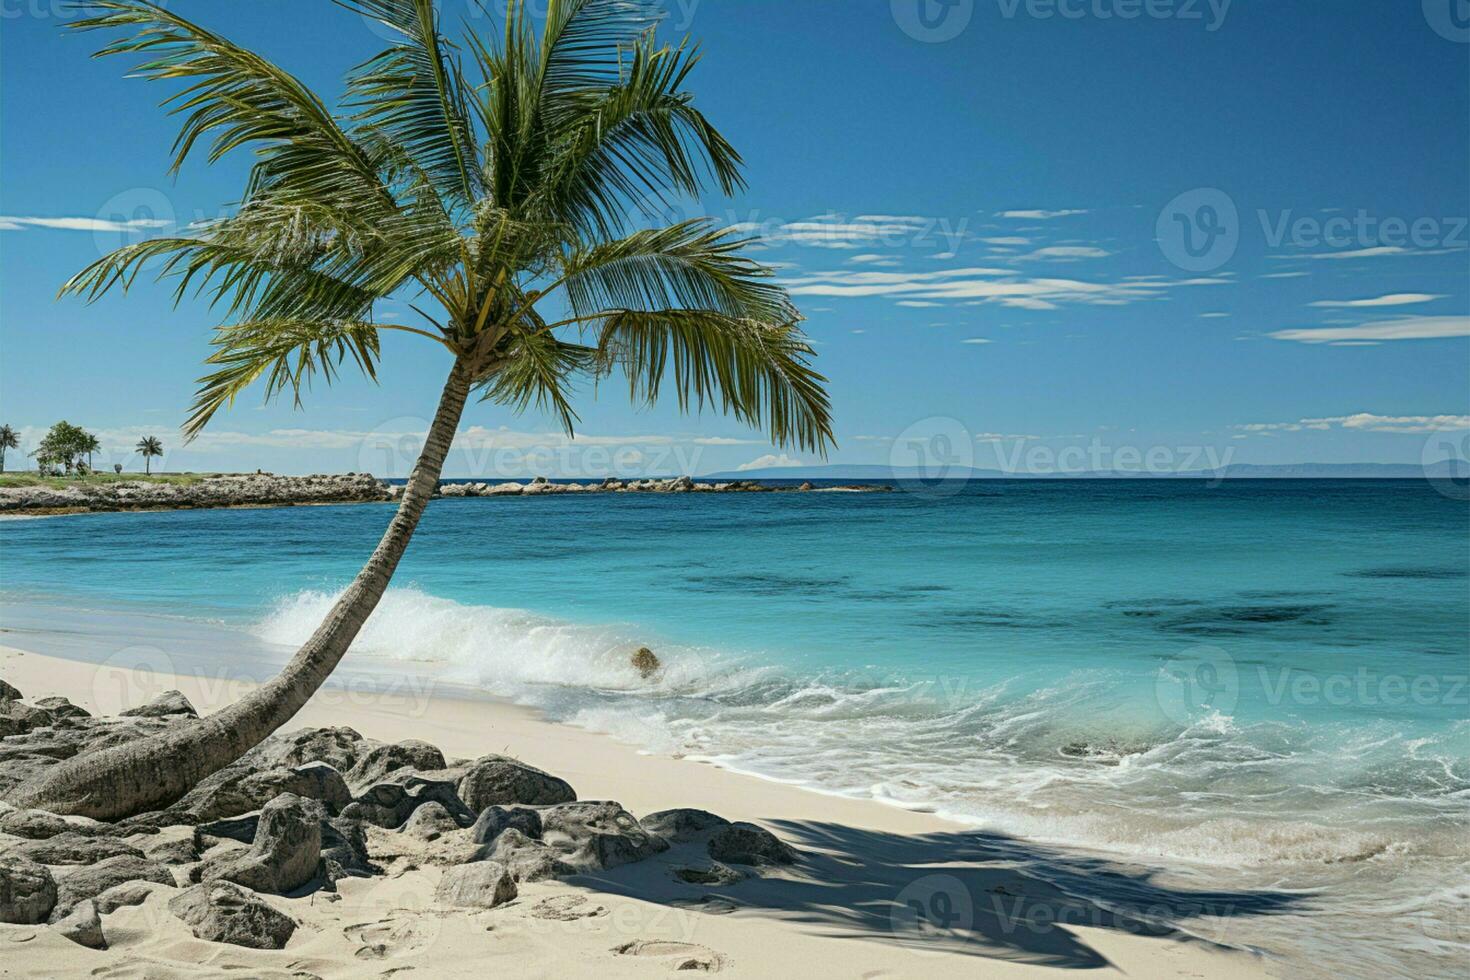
column 1444, row 469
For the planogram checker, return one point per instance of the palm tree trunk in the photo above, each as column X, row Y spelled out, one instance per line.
column 152, row 773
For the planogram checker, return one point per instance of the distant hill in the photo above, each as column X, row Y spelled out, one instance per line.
column 1448, row 468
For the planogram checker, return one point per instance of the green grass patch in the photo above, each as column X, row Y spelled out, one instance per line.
column 96, row 479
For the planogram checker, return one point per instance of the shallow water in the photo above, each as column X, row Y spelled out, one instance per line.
column 1259, row 685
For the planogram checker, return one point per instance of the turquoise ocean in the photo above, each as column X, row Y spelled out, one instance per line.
column 1251, row 686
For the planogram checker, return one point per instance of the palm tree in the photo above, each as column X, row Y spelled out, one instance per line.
column 89, row 445
column 149, row 446
column 508, row 209
column 8, row 440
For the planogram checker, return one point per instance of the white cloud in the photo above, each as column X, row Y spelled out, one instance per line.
column 1042, row 215
column 977, row 340
column 1366, row 422
column 1067, row 252
column 978, row 285
column 871, row 259
column 918, row 303
column 1406, row 328
column 1213, row 316
column 768, row 460
column 837, row 232
column 1285, row 275
column 13, row 223
column 1392, row 299
column 1007, row 240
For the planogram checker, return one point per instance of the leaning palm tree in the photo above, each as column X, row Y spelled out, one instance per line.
column 8, row 440
column 508, row 209
column 148, row 447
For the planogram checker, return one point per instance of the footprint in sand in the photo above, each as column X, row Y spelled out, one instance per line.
column 390, row 937
column 680, row 956
column 566, row 908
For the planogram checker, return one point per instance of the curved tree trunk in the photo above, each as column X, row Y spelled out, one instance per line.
column 156, row 771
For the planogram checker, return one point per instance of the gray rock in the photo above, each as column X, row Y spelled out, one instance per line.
column 17, row 718
column 74, row 848
column 8, row 692
column 119, row 896
column 381, row 760
column 483, row 885
column 59, row 707
column 27, row 890
column 83, row 926
column 497, row 819
column 33, row 824
column 167, row 703
column 745, row 843
column 285, row 853
column 221, row 912
column 498, row 780
column 388, row 804
column 183, row 850
column 337, row 747
column 527, row 859
column 713, row 873
column 89, row 882
column 345, row 850
column 430, row 822
column 682, row 824
column 595, row 836
column 239, row 789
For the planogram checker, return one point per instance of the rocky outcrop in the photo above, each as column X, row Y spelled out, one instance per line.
column 285, row 853
column 9, row 692
column 269, row 490
column 390, row 803
column 498, row 780
column 89, row 882
column 381, row 760
column 221, row 912
column 595, row 836
column 27, row 890
column 745, row 843
column 229, row 490
column 683, row 824
column 167, row 703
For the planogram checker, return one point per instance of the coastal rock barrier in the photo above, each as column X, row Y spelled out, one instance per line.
column 270, row 490
column 306, row 809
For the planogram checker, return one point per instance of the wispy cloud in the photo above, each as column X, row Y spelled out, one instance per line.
column 1007, row 240
column 1042, row 215
column 1405, row 328
column 1392, row 299
column 1365, row 422
column 977, row 340
column 979, row 285
column 1066, row 253
column 15, row 223
column 836, row 231
column 768, row 460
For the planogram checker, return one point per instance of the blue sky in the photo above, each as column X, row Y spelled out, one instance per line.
column 1100, row 225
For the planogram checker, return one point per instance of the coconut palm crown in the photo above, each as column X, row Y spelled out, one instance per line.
column 501, row 186
column 148, row 447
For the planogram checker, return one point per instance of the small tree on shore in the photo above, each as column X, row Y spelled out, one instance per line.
column 149, row 446
column 64, row 445
column 8, row 440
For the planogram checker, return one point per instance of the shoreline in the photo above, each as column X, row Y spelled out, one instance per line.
column 236, row 491
column 862, row 852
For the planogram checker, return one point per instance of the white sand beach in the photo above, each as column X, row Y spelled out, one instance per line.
column 844, row 910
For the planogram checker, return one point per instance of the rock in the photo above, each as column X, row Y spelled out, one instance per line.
column 27, row 890
column 595, row 836
column 8, row 693
column 683, row 824
column 167, row 703
column 745, row 843
column 498, row 780
column 527, row 859
column 645, row 662
column 496, row 819
column 33, row 824
column 181, row 850
column 74, row 848
column 89, row 882
column 345, row 850
column 714, row 873
column 83, row 926
column 238, row 789
column 221, row 912
column 59, row 708
column 483, row 885
column 339, row 748
column 285, row 853
column 429, row 822
column 18, row 719
column 384, row 759
column 388, row 804
column 120, row 896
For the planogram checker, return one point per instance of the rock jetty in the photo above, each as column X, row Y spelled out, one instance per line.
column 270, row 490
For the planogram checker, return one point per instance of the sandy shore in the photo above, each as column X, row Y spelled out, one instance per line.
column 845, row 911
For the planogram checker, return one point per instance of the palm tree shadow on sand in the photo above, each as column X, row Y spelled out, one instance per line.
column 968, row 892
